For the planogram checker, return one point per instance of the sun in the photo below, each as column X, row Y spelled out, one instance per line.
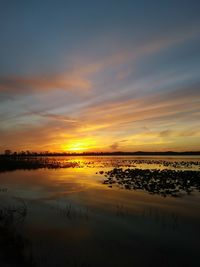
column 80, row 145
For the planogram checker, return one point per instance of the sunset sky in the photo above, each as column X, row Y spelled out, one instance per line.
column 99, row 75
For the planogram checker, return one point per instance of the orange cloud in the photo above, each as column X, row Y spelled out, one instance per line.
column 25, row 84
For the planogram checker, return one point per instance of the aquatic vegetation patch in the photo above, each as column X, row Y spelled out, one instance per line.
column 163, row 182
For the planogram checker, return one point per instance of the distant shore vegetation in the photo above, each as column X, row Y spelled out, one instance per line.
column 10, row 153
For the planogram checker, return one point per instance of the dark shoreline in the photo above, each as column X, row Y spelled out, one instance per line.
column 117, row 153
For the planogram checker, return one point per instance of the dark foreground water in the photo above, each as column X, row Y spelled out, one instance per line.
column 101, row 211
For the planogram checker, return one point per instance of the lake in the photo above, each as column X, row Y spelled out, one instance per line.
column 102, row 211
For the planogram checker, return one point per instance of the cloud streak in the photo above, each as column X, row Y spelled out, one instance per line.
column 115, row 124
column 79, row 79
column 25, row 84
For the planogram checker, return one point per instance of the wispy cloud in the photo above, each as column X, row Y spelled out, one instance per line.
column 181, row 103
column 26, row 84
column 51, row 116
column 79, row 78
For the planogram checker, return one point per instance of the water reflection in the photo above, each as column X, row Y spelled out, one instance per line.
column 15, row 249
column 70, row 218
column 12, row 163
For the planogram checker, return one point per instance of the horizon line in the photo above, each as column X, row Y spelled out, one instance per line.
column 35, row 153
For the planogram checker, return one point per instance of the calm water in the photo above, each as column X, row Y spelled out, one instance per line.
column 68, row 217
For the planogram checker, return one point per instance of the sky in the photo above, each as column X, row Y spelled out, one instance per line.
column 109, row 75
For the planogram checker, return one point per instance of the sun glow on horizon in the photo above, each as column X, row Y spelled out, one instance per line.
column 80, row 145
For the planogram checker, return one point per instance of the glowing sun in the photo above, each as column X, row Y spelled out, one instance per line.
column 80, row 145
